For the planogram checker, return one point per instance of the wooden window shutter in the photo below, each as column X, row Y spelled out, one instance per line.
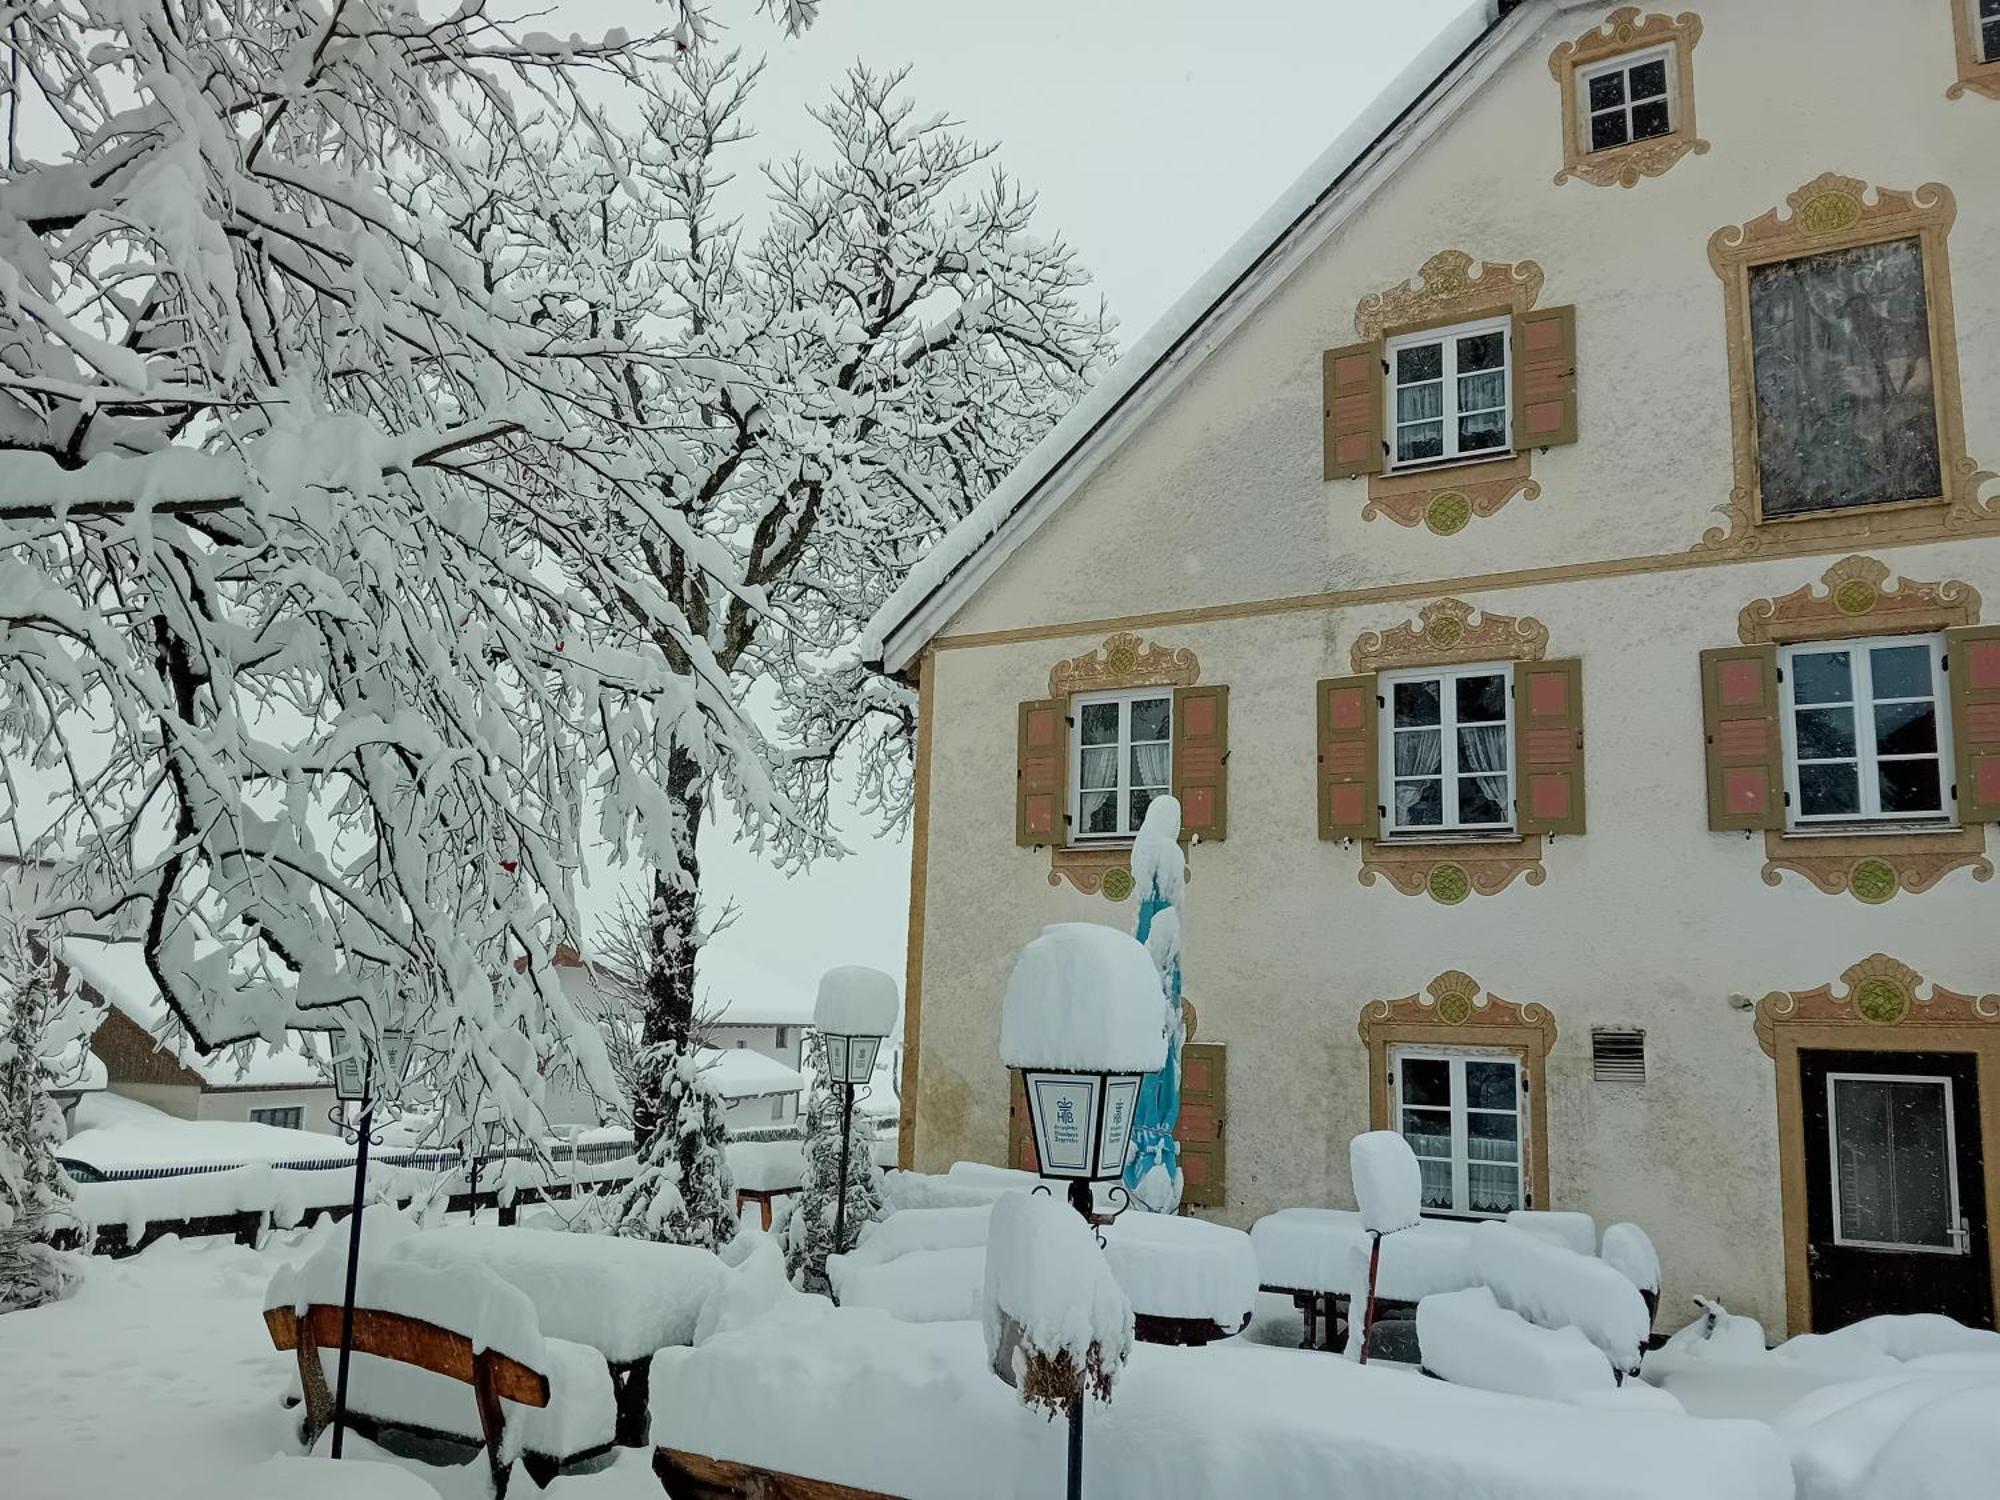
column 1041, row 772
column 1348, row 758
column 1545, row 378
column 1020, row 1129
column 1201, row 760
column 1974, row 654
column 1548, row 746
column 1203, row 1181
column 1746, row 766
column 1352, row 396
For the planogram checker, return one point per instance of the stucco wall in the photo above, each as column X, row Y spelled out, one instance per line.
column 236, row 1104
column 1648, row 919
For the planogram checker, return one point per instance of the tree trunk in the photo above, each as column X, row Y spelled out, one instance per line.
column 676, row 911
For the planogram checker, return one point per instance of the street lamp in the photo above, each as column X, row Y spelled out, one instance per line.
column 1083, row 1021
column 355, row 1074
column 855, row 1010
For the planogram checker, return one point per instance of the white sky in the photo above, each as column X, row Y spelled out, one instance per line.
column 1155, row 131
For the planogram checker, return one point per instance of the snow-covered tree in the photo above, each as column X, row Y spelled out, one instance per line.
column 884, row 350
column 36, row 1202
column 682, row 1192
column 809, row 1230
column 319, row 476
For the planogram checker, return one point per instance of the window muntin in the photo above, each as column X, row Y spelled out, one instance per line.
column 1462, row 1112
column 1628, row 100
column 1867, row 732
column 1843, row 379
column 1449, row 394
column 289, row 1117
column 1989, row 31
column 1448, row 755
column 1895, row 1162
column 1123, row 759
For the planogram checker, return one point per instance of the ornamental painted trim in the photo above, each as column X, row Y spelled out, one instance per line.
column 1853, row 597
column 1446, row 503
column 1094, row 872
column 1621, row 34
column 1446, row 291
column 1455, row 1000
column 1445, row 633
column 1974, row 76
column 1880, row 991
column 1874, row 868
column 1124, row 661
column 1449, row 873
column 1833, row 212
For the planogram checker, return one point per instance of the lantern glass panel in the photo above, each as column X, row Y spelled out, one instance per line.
column 1064, row 1110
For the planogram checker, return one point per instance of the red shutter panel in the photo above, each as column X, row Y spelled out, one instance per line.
column 1974, row 653
column 1347, row 758
column 1746, row 767
column 1351, row 399
column 1201, row 760
column 1199, row 1130
column 1041, row 768
column 1545, row 378
column 1548, row 746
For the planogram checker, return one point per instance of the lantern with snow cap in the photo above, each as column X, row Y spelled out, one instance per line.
column 855, row 1010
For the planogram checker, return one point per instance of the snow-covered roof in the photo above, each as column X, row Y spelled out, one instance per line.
column 744, row 1073
column 1421, row 99
column 116, row 970
column 734, row 990
column 113, row 1133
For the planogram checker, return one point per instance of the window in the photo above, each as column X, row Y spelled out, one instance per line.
column 1447, row 755
column 1846, row 405
column 784, row 1037
column 1449, row 397
column 1628, row 100
column 777, row 1107
column 1989, row 31
column 1866, row 735
column 1895, row 1162
column 1461, row 1112
column 291, row 1117
column 1124, row 759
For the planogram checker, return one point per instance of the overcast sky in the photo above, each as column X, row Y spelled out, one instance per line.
column 1155, row 131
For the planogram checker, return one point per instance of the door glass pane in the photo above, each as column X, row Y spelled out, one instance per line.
column 1822, row 677
column 1892, row 1161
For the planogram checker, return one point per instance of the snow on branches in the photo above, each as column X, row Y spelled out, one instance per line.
column 41, row 1041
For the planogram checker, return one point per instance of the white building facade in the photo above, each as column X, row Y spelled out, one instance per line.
column 1556, row 562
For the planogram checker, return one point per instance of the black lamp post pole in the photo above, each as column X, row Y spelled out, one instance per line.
column 1082, row 1198
column 366, row 1121
column 846, row 1135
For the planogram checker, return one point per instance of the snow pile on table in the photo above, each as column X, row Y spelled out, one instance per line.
column 1897, row 1437
column 1628, row 1249
column 1573, row 1231
column 1053, row 1313
column 1084, row 996
column 1469, row 1339
column 1326, row 1250
column 766, row 1166
column 314, row 1479
column 1388, row 1183
column 923, row 1265
column 1558, row 1288
column 920, row 1229
column 754, row 1285
column 1173, row 1267
column 855, row 1000
column 1158, row 866
column 852, row 1397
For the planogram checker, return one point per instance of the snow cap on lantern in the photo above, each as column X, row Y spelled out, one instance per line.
column 855, row 1010
column 1388, row 1183
column 1083, row 1018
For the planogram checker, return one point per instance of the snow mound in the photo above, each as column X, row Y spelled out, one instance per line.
column 1084, row 996
column 315, row 1479
column 1896, row 1437
column 1468, row 1338
column 1158, row 867
column 1573, row 1231
column 904, row 1192
column 855, row 1000
column 1558, row 1288
column 924, row 1286
column 1629, row 1250
column 1882, row 1344
column 1046, row 1278
column 1388, row 1183
column 755, row 1286
column 920, row 1229
column 1173, row 1267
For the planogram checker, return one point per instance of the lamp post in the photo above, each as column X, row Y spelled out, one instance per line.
column 855, row 1010
column 354, row 1075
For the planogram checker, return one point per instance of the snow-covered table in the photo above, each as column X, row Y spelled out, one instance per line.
column 1319, row 1257
column 625, row 1298
column 1191, row 1282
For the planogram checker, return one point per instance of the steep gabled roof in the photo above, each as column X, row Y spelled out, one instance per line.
column 1421, row 100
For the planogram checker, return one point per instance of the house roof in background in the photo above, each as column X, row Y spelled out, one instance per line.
column 733, row 989
column 744, row 1073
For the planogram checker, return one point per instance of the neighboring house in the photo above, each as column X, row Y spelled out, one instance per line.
column 1555, row 560
column 282, row 1086
column 746, row 1005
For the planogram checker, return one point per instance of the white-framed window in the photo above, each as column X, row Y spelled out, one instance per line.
column 1464, row 1112
column 289, row 1117
column 1989, row 31
column 1895, row 1162
column 1122, row 758
column 1447, row 760
column 1449, row 394
column 1628, row 99
column 1867, row 732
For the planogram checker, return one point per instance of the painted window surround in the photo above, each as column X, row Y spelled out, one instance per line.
column 1453, row 1011
column 1878, row 1006
column 1978, row 68
column 1624, row 35
column 1855, row 598
column 1833, row 212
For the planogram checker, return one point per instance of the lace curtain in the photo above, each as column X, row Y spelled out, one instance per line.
column 1484, row 750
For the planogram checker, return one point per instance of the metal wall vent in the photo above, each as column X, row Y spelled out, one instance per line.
column 1618, row 1054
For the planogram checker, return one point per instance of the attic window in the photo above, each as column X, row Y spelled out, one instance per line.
column 1618, row 1054
column 1628, row 101
column 1628, row 98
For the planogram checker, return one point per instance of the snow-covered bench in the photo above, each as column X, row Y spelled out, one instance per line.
column 1319, row 1258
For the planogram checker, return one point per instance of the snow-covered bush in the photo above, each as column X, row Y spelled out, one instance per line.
column 682, row 1192
column 809, row 1230
column 36, row 1198
column 1056, row 1320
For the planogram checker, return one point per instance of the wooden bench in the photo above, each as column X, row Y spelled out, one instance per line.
column 494, row 1377
column 695, row 1476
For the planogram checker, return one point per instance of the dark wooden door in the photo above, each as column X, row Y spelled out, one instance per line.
column 1896, row 1212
